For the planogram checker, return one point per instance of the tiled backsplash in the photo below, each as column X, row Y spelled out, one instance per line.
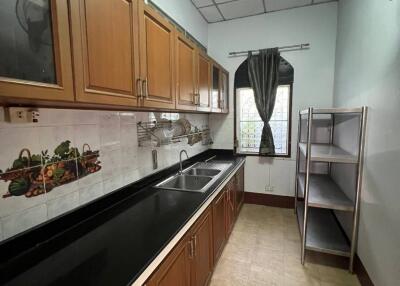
column 122, row 162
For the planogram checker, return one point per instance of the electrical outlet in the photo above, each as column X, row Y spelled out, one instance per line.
column 269, row 188
column 22, row 115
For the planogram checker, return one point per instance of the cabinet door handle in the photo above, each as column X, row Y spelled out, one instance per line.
column 195, row 245
column 191, row 251
column 146, row 88
column 139, row 88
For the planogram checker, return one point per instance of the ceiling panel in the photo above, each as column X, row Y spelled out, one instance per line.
column 211, row 14
column 241, row 8
column 222, row 10
column 224, row 1
column 275, row 5
column 202, row 3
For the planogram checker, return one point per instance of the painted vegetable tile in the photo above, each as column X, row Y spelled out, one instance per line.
column 29, row 173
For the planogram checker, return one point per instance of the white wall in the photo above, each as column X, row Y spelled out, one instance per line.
column 186, row 15
column 313, row 76
column 368, row 73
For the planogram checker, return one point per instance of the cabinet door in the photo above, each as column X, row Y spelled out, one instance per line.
column 230, row 207
column 215, row 91
column 202, row 265
column 219, row 224
column 105, row 41
column 204, row 83
column 224, row 92
column 239, row 188
column 175, row 270
column 35, row 52
column 186, row 85
column 157, row 37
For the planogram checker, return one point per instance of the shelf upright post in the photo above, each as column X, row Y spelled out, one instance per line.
column 296, row 190
column 332, row 132
column 306, row 184
column 356, row 214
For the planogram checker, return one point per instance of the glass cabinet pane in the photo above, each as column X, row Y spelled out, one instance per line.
column 26, row 41
column 215, row 87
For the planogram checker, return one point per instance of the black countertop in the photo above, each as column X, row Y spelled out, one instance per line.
column 110, row 241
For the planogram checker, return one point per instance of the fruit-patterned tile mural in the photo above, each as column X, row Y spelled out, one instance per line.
column 34, row 174
column 70, row 158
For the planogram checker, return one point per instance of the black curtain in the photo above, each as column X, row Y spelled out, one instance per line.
column 263, row 71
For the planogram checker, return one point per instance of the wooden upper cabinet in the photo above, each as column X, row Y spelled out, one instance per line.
column 215, row 88
column 105, row 42
column 157, row 38
column 186, row 82
column 224, row 91
column 204, row 83
column 36, row 63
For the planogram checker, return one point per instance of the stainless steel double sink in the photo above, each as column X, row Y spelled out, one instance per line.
column 196, row 178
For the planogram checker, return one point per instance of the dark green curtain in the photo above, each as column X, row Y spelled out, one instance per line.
column 263, row 71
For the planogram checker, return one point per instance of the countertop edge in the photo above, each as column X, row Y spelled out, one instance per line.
column 168, row 248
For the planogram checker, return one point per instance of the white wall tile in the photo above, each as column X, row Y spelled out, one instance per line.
column 87, row 134
column 13, row 140
column 24, row 220
column 60, row 205
column 14, row 204
column 1, row 230
column 89, row 193
column 50, row 137
column 114, row 134
column 113, row 184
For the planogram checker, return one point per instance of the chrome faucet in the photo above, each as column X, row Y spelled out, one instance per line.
column 180, row 160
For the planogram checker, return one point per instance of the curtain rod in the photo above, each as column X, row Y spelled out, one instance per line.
column 281, row 49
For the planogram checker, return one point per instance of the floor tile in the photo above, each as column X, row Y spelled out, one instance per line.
column 264, row 250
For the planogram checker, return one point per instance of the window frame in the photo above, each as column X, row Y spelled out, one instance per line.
column 235, row 131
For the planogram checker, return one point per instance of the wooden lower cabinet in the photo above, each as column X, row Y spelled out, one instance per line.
column 175, row 270
column 239, row 189
column 230, row 207
column 192, row 261
column 203, row 260
column 219, row 224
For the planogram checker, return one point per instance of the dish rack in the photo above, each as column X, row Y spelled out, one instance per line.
column 147, row 134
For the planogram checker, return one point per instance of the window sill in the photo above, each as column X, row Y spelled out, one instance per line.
column 282, row 157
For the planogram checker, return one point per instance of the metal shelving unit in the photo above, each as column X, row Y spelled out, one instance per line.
column 318, row 196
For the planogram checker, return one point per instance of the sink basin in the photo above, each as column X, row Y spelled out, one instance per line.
column 186, row 183
column 203, row 172
column 196, row 178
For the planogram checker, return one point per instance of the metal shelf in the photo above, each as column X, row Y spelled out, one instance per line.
column 333, row 110
column 316, row 200
column 324, row 193
column 323, row 232
column 328, row 153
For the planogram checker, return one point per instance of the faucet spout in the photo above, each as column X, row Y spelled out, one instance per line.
column 180, row 160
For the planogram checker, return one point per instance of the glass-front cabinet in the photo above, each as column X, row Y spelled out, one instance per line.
column 224, row 93
column 35, row 53
column 215, row 90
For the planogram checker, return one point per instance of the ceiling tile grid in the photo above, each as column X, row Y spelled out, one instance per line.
column 222, row 10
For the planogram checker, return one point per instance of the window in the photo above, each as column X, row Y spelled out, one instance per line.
column 249, row 124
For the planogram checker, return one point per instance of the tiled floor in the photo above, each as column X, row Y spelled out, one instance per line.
column 264, row 250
